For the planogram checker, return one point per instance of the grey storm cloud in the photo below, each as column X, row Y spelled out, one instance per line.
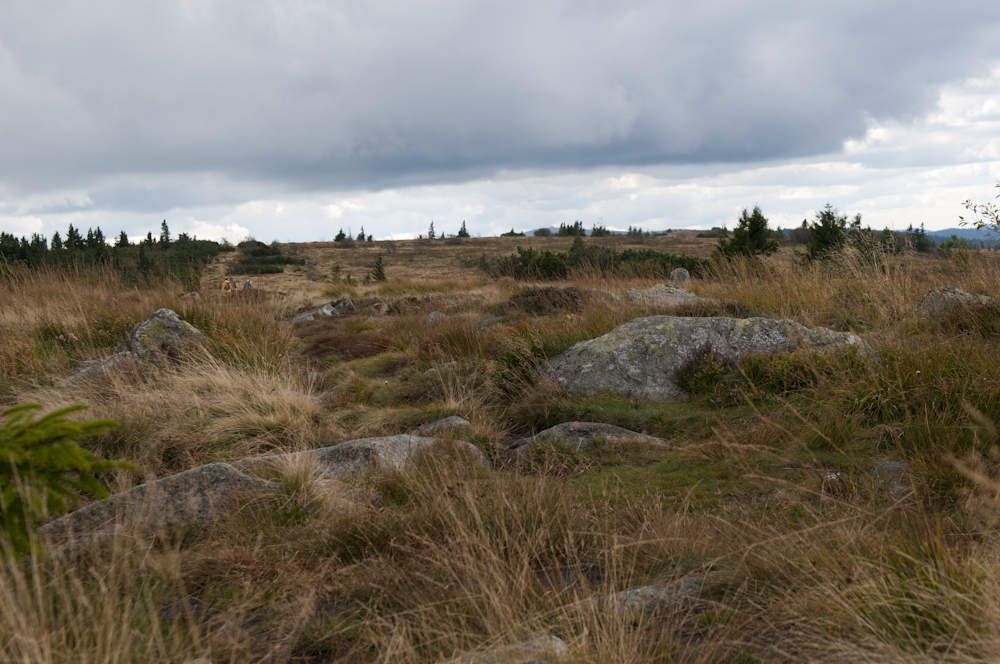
column 348, row 94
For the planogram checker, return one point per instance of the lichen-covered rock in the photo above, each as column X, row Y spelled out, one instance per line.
column 680, row 277
column 943, row 301
column 435, row 317
column 580, row 435
column 443, row 424
column 356, row 457
column 665, row 296
column 117, row 363
column 190, row 499
column 643, row 357
column 670, row 596
column 163, row 333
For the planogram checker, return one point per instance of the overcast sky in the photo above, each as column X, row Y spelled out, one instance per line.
column 287, row 120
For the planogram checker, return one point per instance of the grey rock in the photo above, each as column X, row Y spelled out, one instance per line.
column 190, row 499
column 517, row 653
column 663, row 295
column 435, row 317
column 355, row 458
column 341, row 307
column 671, row 596
column 192, row 295
column 119, row 362
column 444, row 424
column 642, row 358
column 580, row 435
column 943, row 301
column 679, row 276
column 163, row 333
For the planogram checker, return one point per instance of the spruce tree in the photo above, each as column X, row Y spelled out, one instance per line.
column 164, row 234
column 463, row 231
column 751, row 237
column 827, row 233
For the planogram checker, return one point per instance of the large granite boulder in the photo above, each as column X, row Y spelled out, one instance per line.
column 163, row 333
column 581, row 435
column 944, row 301
column 356, row 457
column 191, row 499
column 642, row 358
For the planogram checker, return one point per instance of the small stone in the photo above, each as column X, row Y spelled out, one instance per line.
column 435, row 317
column 680, row 276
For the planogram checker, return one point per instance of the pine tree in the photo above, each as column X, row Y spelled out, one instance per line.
column 340, row 236
column 57, row 243
column 122, row 240
column 73, row 239
column 164, row 234
column 361, row 235
column 463, row 231
column 431, row 233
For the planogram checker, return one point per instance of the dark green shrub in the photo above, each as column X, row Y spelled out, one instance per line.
column 43, row 469
column 751, row 236
column 534, row 264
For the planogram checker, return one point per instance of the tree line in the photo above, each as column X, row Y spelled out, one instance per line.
column 151, row 257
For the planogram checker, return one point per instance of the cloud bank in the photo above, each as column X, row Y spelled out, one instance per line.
column 133, row 109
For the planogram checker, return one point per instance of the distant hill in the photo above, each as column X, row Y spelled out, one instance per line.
column 987, row 237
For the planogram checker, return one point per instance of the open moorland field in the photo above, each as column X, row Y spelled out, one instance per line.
column 814, row 505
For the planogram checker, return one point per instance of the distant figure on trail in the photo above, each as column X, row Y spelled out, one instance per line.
column 228, row 285
column 247, row 285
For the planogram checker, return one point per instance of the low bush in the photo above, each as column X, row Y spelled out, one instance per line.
column 581, row 257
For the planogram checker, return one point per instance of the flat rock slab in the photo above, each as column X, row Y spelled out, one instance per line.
column 664, row 295
column 943, row 301
column 356, row 457
column 193, row 498
column 641, row 359
column 581, row 435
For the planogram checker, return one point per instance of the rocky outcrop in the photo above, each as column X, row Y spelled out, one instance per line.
column 199, row 497
column 944, row 301
column 356, row 457
column 444, row 424
column 191, row 499
column 664, row 296
column 162, row 334
column 342, row 307
column 643, row 358
column 581, row 435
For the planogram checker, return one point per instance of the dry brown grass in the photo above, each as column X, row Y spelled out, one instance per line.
column 450, row 558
